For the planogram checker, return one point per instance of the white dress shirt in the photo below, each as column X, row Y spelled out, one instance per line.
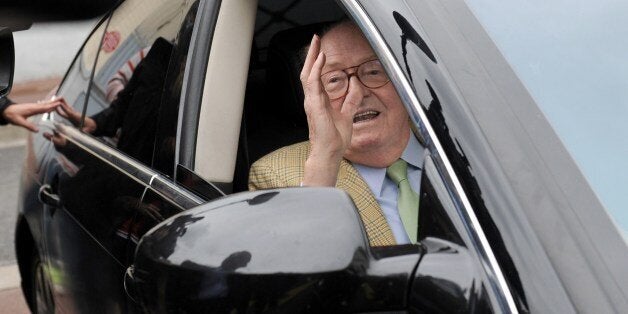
column 385, row 190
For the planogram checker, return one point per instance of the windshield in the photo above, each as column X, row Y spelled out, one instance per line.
column 572, row 57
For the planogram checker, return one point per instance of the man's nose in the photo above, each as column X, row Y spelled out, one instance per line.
column 366, row 91
column 355, row 83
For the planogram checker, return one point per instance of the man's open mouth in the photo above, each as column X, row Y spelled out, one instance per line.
column 365, row 116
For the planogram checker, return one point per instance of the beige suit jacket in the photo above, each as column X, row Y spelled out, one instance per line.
column 284, row 168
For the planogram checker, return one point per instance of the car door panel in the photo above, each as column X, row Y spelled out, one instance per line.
column 455, row 92
column 84, row 233
column 419, row 74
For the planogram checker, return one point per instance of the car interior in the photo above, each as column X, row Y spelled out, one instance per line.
column 270, row 104
column 269, row 107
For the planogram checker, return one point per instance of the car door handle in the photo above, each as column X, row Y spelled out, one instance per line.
column 47, row 197
column 129, row 283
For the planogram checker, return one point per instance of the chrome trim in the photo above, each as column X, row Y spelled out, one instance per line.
column 178, row 195
column 110, row 155
column 152, row 178
column 132, row 168
column 493, row 272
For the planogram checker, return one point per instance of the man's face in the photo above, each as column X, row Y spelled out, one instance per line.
column 381, row 121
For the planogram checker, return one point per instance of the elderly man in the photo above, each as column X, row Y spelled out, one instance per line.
column 360, row 138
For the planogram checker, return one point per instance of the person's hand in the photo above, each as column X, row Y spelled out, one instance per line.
column 56, row 139
column 330, row 125
column 18, row 114
column 69, row 113
column 66, row 111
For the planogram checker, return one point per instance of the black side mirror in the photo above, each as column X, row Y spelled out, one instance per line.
column 290, row 250
column 7, row 60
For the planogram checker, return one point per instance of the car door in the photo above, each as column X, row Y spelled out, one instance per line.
column 173, row 187
column 100, row 177
column 67, row 245
column 510, row 166
column 423, row 78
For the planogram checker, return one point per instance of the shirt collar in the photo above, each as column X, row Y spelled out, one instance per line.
column 374, row 177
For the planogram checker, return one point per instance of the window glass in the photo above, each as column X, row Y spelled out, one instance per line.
column 73, row 88
column 129, row 80
column 75, row 84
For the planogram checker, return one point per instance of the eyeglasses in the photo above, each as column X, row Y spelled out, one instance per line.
column 370, row 73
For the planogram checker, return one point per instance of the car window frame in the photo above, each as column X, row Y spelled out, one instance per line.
column 194, row 78
column 224, row 91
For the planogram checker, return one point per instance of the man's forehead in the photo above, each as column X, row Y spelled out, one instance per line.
column 344, row 37
column 341, row 61
column 345, row 47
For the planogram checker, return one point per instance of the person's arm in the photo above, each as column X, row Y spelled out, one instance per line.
column 18, row 114
column 4, row 103
column 330, row 128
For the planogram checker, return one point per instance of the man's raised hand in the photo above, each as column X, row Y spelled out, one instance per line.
column 330, row 123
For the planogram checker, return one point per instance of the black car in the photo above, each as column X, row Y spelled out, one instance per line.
column 521, row 106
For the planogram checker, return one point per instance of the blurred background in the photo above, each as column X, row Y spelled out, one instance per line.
column 42, row 54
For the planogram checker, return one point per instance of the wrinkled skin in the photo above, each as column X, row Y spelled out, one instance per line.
column 334, row 132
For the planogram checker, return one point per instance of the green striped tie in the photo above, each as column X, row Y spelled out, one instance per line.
column 407, row 199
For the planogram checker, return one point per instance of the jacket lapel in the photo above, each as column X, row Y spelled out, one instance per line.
column 377, row 228
column 349, row 180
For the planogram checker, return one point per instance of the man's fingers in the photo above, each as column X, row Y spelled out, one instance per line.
column 313, row 84
column 317, row 68
column 314, row 94
column 311, row 57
